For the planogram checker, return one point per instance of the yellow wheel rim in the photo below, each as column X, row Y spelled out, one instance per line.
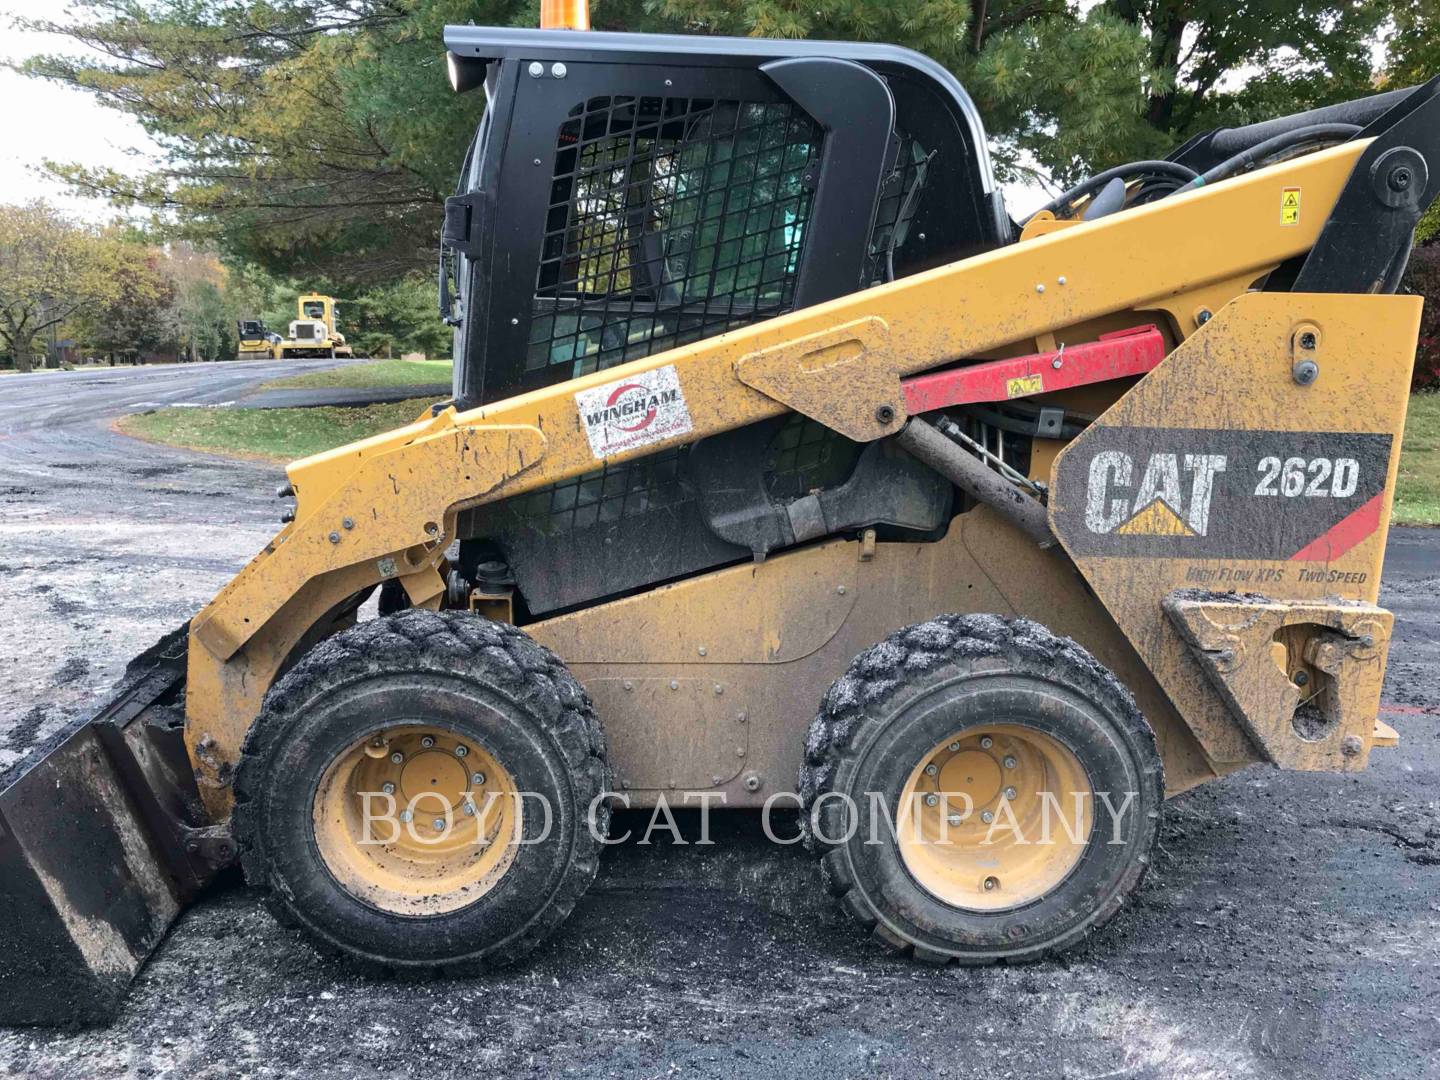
column 417, row 820
column 994, row 818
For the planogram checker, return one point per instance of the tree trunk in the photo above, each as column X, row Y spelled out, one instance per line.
column 24, row 360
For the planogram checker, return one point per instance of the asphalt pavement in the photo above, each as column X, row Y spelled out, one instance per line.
column 1290, row 928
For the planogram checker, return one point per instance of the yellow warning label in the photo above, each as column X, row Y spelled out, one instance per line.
column 1026, row 384
column 1290, row 206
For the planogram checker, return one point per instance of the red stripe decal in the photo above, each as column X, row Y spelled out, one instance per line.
column 1344, row 535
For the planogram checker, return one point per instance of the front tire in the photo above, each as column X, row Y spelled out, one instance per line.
column 1023, row 783
column 452, row 716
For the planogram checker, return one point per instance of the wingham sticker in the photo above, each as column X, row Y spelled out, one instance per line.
column 636, row 411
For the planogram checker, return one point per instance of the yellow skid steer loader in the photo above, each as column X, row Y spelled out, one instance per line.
column 784, row 468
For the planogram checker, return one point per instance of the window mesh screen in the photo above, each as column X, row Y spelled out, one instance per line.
column 670, row 220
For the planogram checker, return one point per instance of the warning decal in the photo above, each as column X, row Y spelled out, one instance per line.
column 1290, row 206
column 635, row 411
column 1025, row 384
column 1182, row 492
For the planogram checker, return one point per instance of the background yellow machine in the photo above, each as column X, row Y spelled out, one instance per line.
column 315, row 331
column 256, row 342
column 783, row 467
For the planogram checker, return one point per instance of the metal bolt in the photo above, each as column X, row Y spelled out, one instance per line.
column 839, row 590
column 954, row 819
column 1039, row 287
column 629, row 685
column 987, row 817
column 991, row 884
column 388, row 788
column 1057, row 363
column 439, row 824
column 397, row 757
column 674, row 684
column 719, row 689
column 1307, row 340
column 669, row 82
column 1010, row 793
column 1061, row 279
column 702, row 650
column 932, row 800
column 536, row 69
column 431, row 528
column 1301, row 678
column 1202, row 316
column 1351, row 745
column 349, row 523
column 469, row 808
column 477, row 778
column 741, row 718
column 986, row 742
column 885, row 414
column 334, row 537
column 406, row 816
column 537, row 161
column 514, row 321
column 1399, row 178
column 752, row 782
column 920, row 235
column 1305, row 372
column 954, row 746
column 739, row 751
column 931, row 769
column 427, row 742
column 1010, row 761
column 461, row 751
column 558, row 70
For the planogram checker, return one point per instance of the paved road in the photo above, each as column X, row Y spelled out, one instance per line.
column 1291, row 927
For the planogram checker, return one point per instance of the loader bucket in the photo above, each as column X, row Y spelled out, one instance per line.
column 101, row 845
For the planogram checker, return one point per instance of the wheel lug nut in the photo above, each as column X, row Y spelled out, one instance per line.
column 955, row 819
column 439, row 824
column 397, row 757
column 932, row 800
column 388, row 788
column 406, row 816
column 931, row 769
column 954, row 746
column 1010, row 761
column 987, row 817
column 991, row 884
column 469, row 809
column 986, row 742
column 477, row 778
column 461, row 751
column 427, row 742
column 1010, row 793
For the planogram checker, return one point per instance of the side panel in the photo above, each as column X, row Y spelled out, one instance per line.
column 710, row 684
column 1255, row 464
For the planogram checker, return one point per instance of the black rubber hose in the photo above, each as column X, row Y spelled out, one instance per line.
column 1147, row 169
column 1286, row 140
column 1227, row 142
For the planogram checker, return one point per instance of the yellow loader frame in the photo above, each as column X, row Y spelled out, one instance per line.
column 386, row 508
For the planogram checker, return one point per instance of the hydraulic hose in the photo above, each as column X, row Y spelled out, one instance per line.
column 1286, row 140
column 1100, row 179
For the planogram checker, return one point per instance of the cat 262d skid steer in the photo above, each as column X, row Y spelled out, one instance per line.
column 783, row 466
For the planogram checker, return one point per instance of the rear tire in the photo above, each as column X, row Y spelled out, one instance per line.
column 1018, row 711
column 494, row 711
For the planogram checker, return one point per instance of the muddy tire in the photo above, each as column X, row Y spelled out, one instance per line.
column 967, row 715
column 449, row 714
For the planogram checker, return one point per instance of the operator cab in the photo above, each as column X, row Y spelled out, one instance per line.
column 660, row 189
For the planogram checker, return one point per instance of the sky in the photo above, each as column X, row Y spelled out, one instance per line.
column 40, row 120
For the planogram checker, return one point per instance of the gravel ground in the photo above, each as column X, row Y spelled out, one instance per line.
column 1291, row 926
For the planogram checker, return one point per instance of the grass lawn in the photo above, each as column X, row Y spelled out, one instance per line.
column 1417, row 496
column 277, row 434
column 365, row 376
